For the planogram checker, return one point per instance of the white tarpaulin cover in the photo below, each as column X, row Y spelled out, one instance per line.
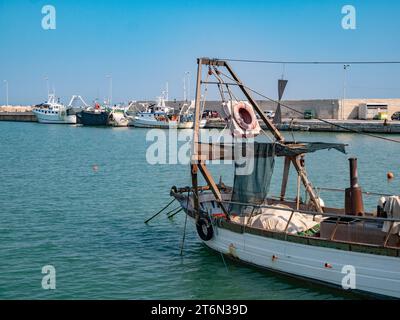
column 276, row 220
column 392, row 208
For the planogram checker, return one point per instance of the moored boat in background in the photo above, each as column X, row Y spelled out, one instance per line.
column 96, row 116
column 52, row 111
column 117, row 118
column 163, row 117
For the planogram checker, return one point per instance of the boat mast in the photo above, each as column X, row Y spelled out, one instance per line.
column 198, row 159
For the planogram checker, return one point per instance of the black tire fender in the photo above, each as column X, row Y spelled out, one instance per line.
column 204, row 228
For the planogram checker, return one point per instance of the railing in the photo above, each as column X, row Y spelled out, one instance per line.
column 325, row 214
column 313, row 213
column 342, row 191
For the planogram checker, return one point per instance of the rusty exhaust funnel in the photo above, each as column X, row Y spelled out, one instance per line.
column 354, row 205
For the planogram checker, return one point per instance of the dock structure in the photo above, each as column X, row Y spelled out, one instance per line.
column 367, row 126
column 17, row 113
column 341, row 115
column 335, row 109
column 26, row 116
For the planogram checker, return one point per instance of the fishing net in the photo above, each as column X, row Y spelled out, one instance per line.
column 254, row 166
column 253, row 173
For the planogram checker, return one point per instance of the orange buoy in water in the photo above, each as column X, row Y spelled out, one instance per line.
column 390, row 175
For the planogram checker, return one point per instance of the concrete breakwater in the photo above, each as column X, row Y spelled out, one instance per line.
column 369, row 126
column 26, row 116
column 17, row 113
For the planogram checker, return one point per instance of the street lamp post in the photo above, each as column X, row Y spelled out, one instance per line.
column 345, row 67
column 110, row 93
column 6, row 83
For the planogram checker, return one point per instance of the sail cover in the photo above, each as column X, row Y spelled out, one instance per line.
column 253, row 172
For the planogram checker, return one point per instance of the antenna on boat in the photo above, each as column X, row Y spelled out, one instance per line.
column 184, row 88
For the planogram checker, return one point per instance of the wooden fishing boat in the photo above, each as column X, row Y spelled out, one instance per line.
column 344, row 247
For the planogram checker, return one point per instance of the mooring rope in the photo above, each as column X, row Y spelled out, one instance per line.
column 184, row 228
column 155, row 215
column 175, row 213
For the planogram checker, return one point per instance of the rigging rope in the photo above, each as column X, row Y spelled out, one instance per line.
column 319, row 119
column 308, row 62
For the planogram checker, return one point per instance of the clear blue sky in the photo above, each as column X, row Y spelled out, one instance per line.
column 143, row 44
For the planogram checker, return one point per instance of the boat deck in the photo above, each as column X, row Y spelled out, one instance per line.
column 337, row 231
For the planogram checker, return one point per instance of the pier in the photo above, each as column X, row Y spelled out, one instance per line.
column 26, row 116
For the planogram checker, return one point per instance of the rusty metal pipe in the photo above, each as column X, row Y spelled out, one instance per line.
column 353, row 173
column 354, row 205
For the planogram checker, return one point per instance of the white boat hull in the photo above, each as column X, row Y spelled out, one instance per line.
column 146, row 123
column 55, row 118
column 376, row 274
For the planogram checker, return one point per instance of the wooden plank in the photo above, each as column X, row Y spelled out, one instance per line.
column 212, row 62
column 213, row 186
column 197, row 115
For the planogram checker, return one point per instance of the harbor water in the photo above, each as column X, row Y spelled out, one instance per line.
column 76, row 198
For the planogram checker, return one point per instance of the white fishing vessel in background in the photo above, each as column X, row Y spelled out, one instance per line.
column 52, row 111
column 164, row 117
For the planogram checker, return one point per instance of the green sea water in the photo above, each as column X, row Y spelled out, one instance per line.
column 76, row 198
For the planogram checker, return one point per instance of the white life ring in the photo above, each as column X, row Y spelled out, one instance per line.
column 241, row 119
column 244, row 116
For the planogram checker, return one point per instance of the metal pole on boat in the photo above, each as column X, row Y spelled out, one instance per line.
column 47, row 85
column 184, row 87
column 353, row 195
column 175, row 213
column 110, row 92
column 6, row 83
column 188, row 85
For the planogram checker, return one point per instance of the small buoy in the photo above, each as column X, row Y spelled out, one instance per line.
column 390, row 175
column 95, row 167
